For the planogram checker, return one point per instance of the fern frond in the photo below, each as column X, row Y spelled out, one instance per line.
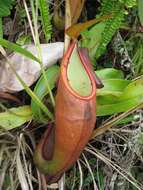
column 129, row 3
column 112, row 25
column 107, row 6
column 45, row 18
column 117, row 9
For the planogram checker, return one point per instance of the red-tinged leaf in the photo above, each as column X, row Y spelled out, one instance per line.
column 75, row 30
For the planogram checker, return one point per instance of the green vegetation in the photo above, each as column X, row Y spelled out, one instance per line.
column 113, row 159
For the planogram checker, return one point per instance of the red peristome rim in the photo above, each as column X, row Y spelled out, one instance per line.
column 64, row 73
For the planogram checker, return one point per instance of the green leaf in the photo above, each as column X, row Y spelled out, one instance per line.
column 41, row 91
column 5, row 6
column 15, row 117
column 135, row 88
column 140, row 11
column 113, row 81
column 107, row 99
column 118, row 107
column 113, row 86
column 18, row 49
column 131, row 97
column 110, row 73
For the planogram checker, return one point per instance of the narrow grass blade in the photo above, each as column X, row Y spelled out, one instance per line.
column 21, row 174
column 18, row 49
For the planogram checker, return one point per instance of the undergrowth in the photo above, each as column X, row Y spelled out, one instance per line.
column 112, row 160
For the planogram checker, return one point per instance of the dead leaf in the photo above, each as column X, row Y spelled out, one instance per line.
column 75, row 9
column 28, row 69
column 7, row 96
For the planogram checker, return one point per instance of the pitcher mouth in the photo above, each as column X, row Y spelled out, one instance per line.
column 87, row 68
